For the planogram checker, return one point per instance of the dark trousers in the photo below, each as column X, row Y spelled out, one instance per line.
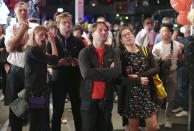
column 182, row 91
column 192, row 105
column 96, row 114
column 16, row 85
column 36, row 119
column 46, row 118
column 3, row 81
column 59, row 93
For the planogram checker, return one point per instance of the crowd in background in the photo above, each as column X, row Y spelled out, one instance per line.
column 84, row 60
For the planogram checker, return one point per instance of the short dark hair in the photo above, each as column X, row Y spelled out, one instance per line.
column 169, row 26
column 78, row 27
column 148, row 21
column 94, row 27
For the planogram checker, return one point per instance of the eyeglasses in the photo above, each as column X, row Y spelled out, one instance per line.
column 65, row 22
column 127, row 34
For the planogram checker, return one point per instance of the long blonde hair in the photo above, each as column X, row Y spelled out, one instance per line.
column 31, row 41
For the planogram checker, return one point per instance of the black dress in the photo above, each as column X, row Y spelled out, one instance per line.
column 139, row 101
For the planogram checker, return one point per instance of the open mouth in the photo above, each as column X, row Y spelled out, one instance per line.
column 43, row 41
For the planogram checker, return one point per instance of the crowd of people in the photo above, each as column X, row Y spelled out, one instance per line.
column 91, row 63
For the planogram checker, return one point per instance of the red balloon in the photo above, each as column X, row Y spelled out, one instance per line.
column 178, row 5
column 186, row 11
column 182, row 19
column 187, row 2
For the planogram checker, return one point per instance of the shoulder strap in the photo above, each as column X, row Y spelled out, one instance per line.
column 144, row 49
column 171, row 49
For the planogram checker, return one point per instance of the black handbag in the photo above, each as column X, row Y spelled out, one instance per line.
column 19, row 107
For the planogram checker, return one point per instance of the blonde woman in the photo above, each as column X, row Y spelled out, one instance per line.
column 36, row 61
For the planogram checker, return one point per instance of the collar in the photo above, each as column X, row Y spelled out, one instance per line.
column 107, row 48
column 60, row 36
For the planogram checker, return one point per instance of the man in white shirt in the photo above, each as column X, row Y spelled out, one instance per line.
column 158, row 38
column 145, row 37
column 16, row 37
column 168, row 52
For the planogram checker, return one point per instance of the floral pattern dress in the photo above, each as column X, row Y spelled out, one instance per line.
column 140, row 104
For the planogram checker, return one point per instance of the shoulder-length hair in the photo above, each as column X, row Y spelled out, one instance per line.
column 31, row 41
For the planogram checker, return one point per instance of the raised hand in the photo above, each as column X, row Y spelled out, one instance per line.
column 24, row 26
column 51, row 38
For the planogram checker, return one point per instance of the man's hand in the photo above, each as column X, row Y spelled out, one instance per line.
column 144, row 80
column 7, row 68
column 167, row 57
column 14, row 44
column 132, row 76
column 64, row 62
column 50, row 70
column 75, row 62
column 112, row 65
column 24, row 26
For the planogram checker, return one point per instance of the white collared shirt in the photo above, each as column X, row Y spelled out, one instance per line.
column 144, row 38
column 17, row 58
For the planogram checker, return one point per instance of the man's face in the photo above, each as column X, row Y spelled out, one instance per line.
column 165, row 33
column 77, row 33
column 65, row 25
column 22, row 13
column 150, row 26
column 101, row 33
column 187, row 28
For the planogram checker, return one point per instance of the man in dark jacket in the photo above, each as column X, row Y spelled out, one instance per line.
column 189, row 63
column 66, row 75
column 99, row 65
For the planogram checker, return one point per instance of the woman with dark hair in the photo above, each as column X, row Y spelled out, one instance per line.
column 36, row 61
column 136, row 101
